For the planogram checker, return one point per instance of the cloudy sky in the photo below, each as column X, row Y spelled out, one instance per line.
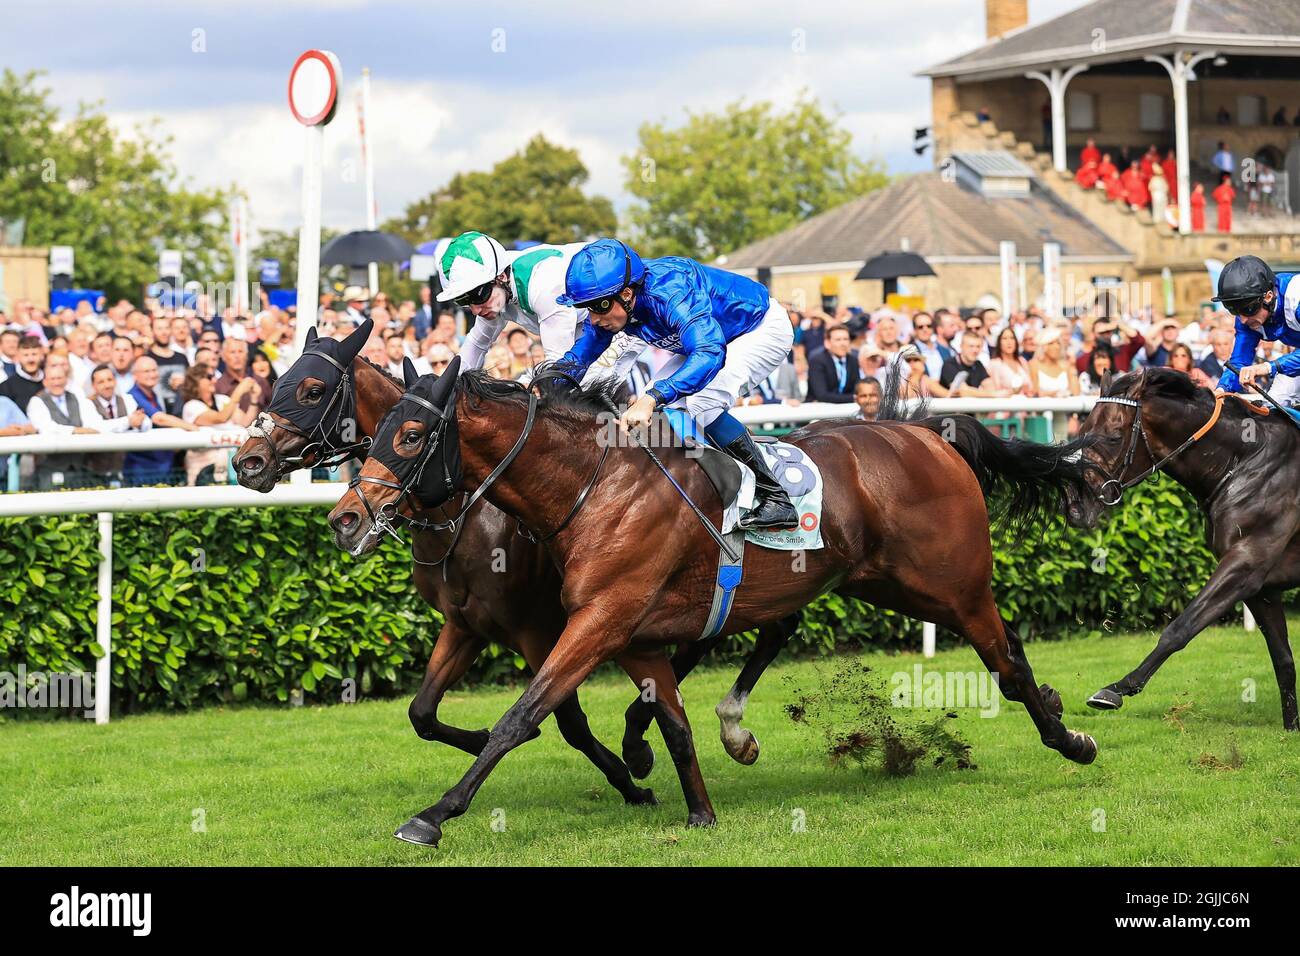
column 458, row 86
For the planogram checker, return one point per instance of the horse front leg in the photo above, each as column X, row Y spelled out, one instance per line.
column 637, row 752
column 453, row 653
column 590, row 638
column 653, row 672
column 1239, row 576
column 576, row 731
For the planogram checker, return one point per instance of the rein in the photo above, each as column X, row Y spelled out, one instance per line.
column 381, row 520
column 1135, row 432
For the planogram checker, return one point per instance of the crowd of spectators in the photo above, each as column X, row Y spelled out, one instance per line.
column 129, row 369
column 1151, row 182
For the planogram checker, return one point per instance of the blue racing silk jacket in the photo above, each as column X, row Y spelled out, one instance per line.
column 683, row 307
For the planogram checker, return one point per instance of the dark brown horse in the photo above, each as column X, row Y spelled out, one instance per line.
column 326, row 407
column 904, row 524
column 1240, row 466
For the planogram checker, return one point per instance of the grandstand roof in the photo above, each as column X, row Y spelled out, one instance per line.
column 1117, row 30
column 941, row 219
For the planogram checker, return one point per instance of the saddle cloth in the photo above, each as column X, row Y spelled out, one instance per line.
column 798, row 474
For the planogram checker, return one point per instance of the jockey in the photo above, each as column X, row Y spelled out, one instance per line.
column 500, row 287
column 1266, row 307
column 725, row 329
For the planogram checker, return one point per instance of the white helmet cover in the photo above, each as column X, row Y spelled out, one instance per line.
column 469, row 261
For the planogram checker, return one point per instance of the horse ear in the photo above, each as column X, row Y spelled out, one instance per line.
column 446, row 384
column 410, row 375
column 351, row 347
column 311, row 335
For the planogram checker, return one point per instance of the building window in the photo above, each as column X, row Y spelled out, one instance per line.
column 1153, row 116
column 1080, row 110
column 1250, row 110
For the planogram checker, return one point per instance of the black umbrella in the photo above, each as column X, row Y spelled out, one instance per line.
column 888, row 266
column 364, row 247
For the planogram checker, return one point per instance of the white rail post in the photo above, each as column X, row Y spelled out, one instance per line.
column 1248, row 619
column 104, row 620
column 927, row 639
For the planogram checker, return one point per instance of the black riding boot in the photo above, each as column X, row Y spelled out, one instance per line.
column 773, row 510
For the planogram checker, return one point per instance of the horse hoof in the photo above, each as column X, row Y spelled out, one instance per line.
column 640, row 760
column 641, row 796
column 1052, row 700
column 1084, row 749
column 1106, row 699
column 419, row 831
column 703, row 819
column 747, row 752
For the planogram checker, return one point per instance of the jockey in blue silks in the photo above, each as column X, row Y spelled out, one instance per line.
column 1266, row 307
column 727, row 334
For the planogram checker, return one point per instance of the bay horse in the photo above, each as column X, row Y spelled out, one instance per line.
column 904, row 523
column 1243, row 468
column 326, row 408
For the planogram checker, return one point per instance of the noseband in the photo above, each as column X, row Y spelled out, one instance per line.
column 320, row 447
column 1118, row 482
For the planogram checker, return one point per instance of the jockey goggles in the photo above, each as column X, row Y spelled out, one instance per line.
column 1245, row 306
column 477, row 295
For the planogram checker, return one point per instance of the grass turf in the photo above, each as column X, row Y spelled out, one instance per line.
column 327, row 785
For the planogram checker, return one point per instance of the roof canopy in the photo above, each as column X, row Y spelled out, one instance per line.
column 1109, row 31
column 939, row 219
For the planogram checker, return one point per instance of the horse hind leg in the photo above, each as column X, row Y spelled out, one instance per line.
column 741, row 744
column 1000, row 650
column 1271, row 617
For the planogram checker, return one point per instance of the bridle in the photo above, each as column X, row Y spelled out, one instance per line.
column 382, row 519
column 320, row 447
column 1121, row 484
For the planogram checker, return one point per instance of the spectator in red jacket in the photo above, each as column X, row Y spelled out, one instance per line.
column 1090, row 153
column 1223, row 195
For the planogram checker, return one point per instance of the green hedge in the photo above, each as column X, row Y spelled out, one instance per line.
column 219, row 606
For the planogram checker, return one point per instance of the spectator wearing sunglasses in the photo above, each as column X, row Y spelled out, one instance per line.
column 1265, row 305
column 499, row 287
column 927, row 342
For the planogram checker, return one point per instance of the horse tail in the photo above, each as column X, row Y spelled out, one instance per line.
column 1023, row 481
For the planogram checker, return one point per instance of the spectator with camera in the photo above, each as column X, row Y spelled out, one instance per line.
column 1125, row 342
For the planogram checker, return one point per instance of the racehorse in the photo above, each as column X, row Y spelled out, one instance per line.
column 1241, row 467
column 326, row 408
column 904, row 525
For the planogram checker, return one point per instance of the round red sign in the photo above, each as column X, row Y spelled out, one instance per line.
column 314, row 87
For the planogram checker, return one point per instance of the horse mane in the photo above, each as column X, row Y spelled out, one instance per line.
column 554, row 388
column 1161, row 382
column 385, row 373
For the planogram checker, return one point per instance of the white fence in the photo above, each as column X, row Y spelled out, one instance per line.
column 106, row 502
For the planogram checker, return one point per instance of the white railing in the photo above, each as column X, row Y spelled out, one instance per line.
column 107, row 502
column 177, row 439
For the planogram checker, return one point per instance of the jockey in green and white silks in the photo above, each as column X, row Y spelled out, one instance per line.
column 521, row 287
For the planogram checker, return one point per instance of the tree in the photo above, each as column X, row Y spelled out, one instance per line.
column 727, row 179
column 282, row 244
column 535, row 194
column 118, row 202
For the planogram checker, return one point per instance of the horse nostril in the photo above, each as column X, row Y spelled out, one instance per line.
column 251, row 464
column 345, row 521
